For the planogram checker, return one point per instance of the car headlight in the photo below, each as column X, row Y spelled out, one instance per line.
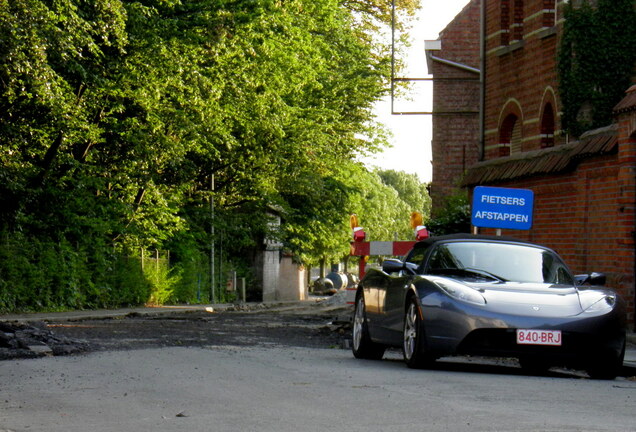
column 459, row 291
column 606, row 303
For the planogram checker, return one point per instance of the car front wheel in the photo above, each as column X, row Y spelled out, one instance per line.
column 363, row 347
column 413, row 347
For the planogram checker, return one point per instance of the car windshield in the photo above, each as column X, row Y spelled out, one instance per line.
column 499, row 262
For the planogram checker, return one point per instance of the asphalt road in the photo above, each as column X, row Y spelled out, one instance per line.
column 283, row 370
column 286, row 388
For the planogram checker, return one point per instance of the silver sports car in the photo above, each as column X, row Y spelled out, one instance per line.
column 489, row 296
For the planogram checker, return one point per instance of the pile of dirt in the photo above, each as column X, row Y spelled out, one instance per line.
column 323, row 325
column 36, row 340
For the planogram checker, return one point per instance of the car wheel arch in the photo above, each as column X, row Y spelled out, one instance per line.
column 359, row 292
column 411, row 293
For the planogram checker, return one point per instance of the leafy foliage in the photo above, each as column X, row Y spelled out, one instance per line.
column 122, row 121
column 453, row 217
column 317, row 226
column 413, row 192
column 595, row 37
column 40, row 274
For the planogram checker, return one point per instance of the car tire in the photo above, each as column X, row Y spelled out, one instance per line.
column 414, row 345
column 362, row 346
column 608, row 365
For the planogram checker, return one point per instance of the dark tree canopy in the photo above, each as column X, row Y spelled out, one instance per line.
column 121, row 120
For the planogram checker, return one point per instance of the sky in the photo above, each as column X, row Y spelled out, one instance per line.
column 411, row 141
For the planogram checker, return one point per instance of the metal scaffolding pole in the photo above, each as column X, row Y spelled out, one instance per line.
column 212, row 245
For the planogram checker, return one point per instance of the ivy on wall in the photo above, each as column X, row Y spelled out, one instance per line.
column 596, row 61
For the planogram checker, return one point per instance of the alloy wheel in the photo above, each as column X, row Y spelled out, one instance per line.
column 410, row 331
column 358, row 323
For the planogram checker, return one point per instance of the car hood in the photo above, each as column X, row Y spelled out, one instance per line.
column 531, row 299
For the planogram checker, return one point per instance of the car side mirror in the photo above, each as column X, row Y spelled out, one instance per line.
column 392, row 265
column 593, row 278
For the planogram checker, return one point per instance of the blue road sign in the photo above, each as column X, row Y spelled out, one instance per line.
column 502, row 208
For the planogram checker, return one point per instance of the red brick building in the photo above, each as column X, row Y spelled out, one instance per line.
column 584, row 188
column 454, row 61
column 521, row 105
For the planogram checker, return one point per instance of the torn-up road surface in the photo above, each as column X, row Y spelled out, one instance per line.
column 309, row 326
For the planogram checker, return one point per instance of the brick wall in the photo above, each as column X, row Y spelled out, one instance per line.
column 580, row 214
column 455, row 140
column 588, row 215
column 520, row 71
column 586, row 212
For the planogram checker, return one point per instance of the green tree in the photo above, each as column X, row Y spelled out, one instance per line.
column 117, row 116
column 409, row 188
column 318, row 228
column 453, row 217
column 383, row 212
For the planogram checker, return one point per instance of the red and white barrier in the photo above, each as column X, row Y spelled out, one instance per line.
column 375, row 248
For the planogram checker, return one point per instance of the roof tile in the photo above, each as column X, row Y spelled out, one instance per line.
column 545, row 161
column 628, row 103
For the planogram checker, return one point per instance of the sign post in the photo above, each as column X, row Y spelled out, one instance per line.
column 505, row 208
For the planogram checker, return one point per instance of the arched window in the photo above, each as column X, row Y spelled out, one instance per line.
column 515, row 139
column 547, row 127
column 509, row 136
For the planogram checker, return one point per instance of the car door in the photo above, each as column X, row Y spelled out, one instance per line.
column 392, row 298
column 373, row 283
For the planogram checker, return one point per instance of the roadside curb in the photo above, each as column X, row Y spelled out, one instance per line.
column 150, row 311
column 105, row 313
column 629, row 369
column 629, row 364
